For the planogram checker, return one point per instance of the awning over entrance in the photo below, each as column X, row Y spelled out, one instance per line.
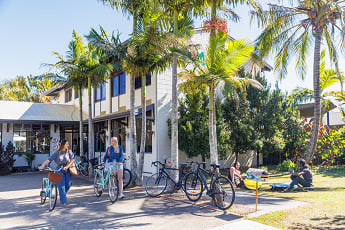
column 27, row 112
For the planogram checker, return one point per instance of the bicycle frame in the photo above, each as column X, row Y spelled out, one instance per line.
column 104, row 180
column 201, row 173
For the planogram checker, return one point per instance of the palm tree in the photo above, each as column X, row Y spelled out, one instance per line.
column 290, row 29
column 135, row 8
column 76, row 77
column 181, row 11
column 328, row 77
column 221, row 66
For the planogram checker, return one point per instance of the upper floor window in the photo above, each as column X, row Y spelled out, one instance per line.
column 138, row 81
column 68, row 95
column 100, row 93
column 118, row 85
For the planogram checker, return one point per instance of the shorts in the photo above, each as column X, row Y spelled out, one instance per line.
column 113, row 166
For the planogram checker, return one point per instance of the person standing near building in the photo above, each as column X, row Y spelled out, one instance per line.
column 61, row 158
column 113, row 160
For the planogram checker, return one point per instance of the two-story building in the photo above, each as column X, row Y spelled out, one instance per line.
column 110, row 113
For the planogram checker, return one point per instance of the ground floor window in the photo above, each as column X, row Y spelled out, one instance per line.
column 100, row 136
column 33, row 138
column 71, row 134
column 148, row 142
column 118, row 129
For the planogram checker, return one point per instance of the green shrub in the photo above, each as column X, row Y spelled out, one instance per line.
column 286, row 165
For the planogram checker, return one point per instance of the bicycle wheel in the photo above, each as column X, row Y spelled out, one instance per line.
column 43, row 194
column 223, row 193
column 127, row 178
column 156, row 184
column 52, row 196
column 83, row 171
column 113, row 187
column 97, row 185
column 193, row 186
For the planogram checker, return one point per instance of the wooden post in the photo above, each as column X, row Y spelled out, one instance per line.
column 256, row 203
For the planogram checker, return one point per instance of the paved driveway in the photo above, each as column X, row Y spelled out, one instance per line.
column 20, row 209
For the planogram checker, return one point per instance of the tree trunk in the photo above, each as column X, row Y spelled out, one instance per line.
column 257, row 159
column 132, row 134
column 143, row 130
column 81, row 139
column 89, row 138
column 174, row 112
column 317, row 107
column 212, row 127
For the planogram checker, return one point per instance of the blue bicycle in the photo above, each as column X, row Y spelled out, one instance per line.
column 49, row 187
column 106, row 180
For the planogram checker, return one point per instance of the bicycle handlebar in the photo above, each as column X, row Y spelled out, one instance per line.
column 155, row 163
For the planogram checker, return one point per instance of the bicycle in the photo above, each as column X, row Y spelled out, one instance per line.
column 49, row 187
column 157, row 183
column 220, row 188
column 81, row 167
column 109, row 181
column 127, row 175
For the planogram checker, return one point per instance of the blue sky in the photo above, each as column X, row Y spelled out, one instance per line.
column 32, row 30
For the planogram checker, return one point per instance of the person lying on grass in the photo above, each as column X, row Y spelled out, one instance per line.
column 296, row 178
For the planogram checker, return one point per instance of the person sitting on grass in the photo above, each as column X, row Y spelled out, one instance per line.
column 296, row 178
column 235, row 175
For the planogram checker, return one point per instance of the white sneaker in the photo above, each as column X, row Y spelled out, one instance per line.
column 122, row 196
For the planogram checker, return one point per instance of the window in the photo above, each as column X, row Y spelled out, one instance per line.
column 148, row 142
column 76, row 93
column 33, row 140
column 119, row 85
column 138, row 81
column 100, row 93
column 68, row 95
column 118, row 129
column 100, row 137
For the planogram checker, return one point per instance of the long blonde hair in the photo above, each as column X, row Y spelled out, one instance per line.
column 116, row 147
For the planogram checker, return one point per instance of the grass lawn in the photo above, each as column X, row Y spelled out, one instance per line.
column 326, row 203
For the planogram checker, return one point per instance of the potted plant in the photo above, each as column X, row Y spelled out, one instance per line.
column 29, row 157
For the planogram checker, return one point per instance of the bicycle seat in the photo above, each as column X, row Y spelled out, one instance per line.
column 215, row 165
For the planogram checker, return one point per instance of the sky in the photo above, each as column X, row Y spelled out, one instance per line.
column 32, row 30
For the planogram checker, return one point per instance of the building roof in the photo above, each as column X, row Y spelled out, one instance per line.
column 307, row 110
column 54, row 90
column 27, row 112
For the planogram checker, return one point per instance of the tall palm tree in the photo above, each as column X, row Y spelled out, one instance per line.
column 181, row 11
column 135, row 8
column 292, row 28
column 222, row 64
column 73, row 69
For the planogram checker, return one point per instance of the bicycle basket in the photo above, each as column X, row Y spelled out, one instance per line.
column 55, row 177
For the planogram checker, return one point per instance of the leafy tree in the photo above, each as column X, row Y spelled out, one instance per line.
column 221, row 66
column 28, row 89
column 290, row 28
column 193, row 126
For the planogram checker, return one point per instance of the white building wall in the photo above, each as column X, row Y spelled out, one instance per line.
column 335, row 118
column 7, row 136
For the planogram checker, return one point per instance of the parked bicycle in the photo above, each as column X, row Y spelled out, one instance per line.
column 82, row 167
column 49, row 187
column 107, row 181
column 157, row 183
column 220, row 188
column 127, row 175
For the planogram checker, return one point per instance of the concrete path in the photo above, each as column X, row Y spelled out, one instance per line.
column 20, row 209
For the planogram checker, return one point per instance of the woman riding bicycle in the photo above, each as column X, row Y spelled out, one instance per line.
column 113, row 160
column 61, row 158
